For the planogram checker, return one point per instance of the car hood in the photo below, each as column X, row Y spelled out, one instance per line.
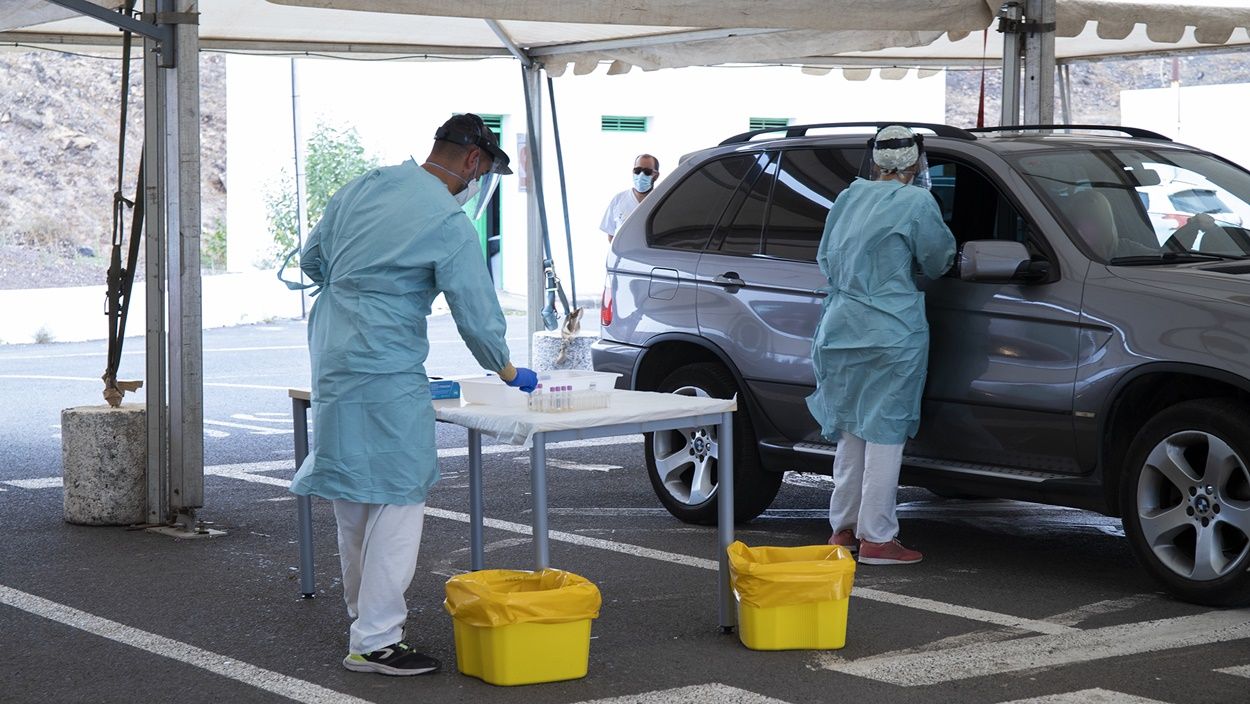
column 1220, row 281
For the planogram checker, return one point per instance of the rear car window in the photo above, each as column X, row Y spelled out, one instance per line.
column 690, row 211
column 807, row 184
column 741, row 234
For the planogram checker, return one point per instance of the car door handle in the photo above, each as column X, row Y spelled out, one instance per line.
column 730, row 280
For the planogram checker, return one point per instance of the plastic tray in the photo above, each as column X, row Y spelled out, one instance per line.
column 491, row 390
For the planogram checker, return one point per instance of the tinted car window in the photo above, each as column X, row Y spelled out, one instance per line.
column 972, row 206
column 807, row 184
column 741, row 233
column 689, row 212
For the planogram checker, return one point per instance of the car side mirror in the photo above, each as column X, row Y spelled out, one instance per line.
column 999, row 261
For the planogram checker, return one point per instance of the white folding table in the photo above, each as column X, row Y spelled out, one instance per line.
column 629, row 412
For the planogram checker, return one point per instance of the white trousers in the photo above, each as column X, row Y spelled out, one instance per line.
column 865, row 488
column 378, row 545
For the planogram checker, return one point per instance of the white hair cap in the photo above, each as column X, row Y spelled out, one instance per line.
column 895, row 159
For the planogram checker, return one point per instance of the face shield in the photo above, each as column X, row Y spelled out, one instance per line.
column 487, row 183
column 896, row 149
column 469, row 130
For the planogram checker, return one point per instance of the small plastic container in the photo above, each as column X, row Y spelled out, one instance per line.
column 514, row 627
column 792, row 598
column 490, row 390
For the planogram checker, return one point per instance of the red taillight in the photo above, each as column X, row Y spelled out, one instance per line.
column 605, row 307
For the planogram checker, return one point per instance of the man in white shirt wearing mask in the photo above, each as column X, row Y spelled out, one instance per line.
column 646, row 173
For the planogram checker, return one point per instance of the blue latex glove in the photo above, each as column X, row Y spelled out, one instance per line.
column 524, row 380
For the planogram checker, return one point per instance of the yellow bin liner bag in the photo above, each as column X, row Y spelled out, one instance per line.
column 518, row 627
column 792, row 598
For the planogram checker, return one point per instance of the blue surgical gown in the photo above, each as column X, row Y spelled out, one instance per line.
column 871, row 349
column 388, row 244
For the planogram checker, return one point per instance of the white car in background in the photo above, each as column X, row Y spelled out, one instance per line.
column 1170, row 206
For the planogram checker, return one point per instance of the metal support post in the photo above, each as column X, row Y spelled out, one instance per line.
column 303, row 504
column 1065, row 93
column 154, row 278
column 186, row 391
column 534, row 248
column 301, row 202
column 538, row 494
column 1009, row 15
column 477, row 557
column 725, row 518
column 1039, row 63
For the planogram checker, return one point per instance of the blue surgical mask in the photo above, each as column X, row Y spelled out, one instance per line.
column 642, row 183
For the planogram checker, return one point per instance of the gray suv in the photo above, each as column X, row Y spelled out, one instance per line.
column 1081, row 354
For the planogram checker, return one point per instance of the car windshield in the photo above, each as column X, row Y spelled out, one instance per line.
column 1142, row 206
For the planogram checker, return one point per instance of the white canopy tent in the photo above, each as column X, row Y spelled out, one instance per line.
column 544, row 34
column 651, row 34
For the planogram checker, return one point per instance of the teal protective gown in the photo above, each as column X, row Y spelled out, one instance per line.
column 871, row 349
column 388, row 244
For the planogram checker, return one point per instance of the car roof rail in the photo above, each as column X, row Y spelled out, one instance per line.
column 801, row 130
column 1130, row 131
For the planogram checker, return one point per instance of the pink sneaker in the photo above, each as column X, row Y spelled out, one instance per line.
column 846, row 538
column 891, row 553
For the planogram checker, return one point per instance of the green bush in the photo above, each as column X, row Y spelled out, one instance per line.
column 334, row 156
column 213, row 248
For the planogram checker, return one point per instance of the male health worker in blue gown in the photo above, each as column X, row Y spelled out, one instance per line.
column 871, row 349
column 390, row 242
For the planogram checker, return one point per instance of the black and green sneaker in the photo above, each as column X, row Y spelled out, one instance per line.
column 395, row 659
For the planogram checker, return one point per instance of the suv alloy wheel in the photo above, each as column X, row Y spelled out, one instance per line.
column 1186, row 500
column 682, row 464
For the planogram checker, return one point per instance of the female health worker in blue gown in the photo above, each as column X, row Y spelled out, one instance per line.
column 870, row 351
column 390, row 241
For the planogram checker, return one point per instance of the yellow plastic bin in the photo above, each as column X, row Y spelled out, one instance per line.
column 514, row 627
column 792, row 598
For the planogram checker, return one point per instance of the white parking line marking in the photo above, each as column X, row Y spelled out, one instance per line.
column 1239, row 671
column 280, row 418
column 256, row 429
column 569, row 464
column 246, row 473
column 1047, row 651
column 41, row 483
column 714, row 693
column 573, row 538
column 267, row 680
column 1099, row 608
column 1088, row 696
column 970, row 613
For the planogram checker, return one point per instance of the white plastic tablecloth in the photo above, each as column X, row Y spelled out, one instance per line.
column 516, row 425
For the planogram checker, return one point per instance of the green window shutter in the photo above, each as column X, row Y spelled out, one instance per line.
column 494, row 122
column 769, row 123
column 623, row 123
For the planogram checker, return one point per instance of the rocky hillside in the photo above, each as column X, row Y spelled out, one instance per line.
column 59, row 126
column 1096, row 85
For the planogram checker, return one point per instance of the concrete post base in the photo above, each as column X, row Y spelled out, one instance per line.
column 549, row 344
column 104, row 456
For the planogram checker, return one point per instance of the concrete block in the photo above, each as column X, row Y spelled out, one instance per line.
column 104, row 458
column 549, row 344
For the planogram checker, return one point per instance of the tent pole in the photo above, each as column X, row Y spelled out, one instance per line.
column 154, row 279
column 1065, row 93
column 301, row 204
column 535, row 253
column 1010, row 14
column 1039, row 63
column 186, row 391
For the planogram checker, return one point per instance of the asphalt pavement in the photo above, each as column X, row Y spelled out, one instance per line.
column 1014, row 602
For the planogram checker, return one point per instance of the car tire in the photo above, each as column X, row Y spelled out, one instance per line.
column 682, row 463
column 1185, row 496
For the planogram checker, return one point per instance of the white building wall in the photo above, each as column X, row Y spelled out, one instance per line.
column 1207, row 117
column 395, row 106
